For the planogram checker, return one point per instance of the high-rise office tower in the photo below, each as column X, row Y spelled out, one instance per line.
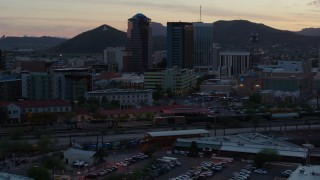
column 179, row 45
column 2, row 60
column 203, row 41
column 139, row 45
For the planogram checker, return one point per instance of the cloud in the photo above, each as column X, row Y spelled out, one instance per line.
column 315, row 3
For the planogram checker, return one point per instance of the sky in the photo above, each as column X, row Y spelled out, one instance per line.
column 67, row 18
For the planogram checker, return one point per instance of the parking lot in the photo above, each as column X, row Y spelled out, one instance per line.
column 188, row 163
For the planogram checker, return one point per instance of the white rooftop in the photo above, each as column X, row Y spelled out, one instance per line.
column 306, row 173
column 80, row 152
column 177, row 132
column 5, row 176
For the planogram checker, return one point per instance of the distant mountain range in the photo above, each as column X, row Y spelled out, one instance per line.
column 36, row 43
column 238, row 33
column 235, row 33
column 310, row 32
column 93, row 41
column 158, row 29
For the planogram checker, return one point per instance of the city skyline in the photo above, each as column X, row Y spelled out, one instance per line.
column 69, row 18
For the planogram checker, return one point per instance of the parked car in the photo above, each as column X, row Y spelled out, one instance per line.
column 286, row 173
column 260, row 171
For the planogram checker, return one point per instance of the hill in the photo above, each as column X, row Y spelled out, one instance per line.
column 158, row 29
column 93, row 41
column 310, row 32
column 238, row 33
column 35, row 43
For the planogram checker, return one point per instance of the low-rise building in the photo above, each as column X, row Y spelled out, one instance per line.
column 311, row 172
column 77, row 155
column 246, row 145
column 126, row 97
column 179, row 81
column 17, row 109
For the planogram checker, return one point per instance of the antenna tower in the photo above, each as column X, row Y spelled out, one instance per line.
column 200, row 13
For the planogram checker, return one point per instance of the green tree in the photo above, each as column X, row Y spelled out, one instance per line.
column 264, row 156
column 53, row 163
column 38, row 173
column 93, row 104
column 44, row 144
column 100, row 155
column 255, row 98
column 105, row 102
column 3, row 115
column 255, row 120
column 193, row 148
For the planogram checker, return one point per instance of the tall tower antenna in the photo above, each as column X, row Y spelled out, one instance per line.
column 200, row 13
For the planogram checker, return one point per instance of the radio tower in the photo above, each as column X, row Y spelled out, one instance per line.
column 200, row 13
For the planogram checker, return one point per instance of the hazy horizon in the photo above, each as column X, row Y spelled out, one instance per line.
column 68, row 18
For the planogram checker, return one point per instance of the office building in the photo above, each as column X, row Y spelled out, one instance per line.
column 180, row 50
column 288, row 81
column 37, row 85
column 179, row 81
column 2, row 60
column 10, row 88
column 233, row 63
column 202, row 44
column 139, row 45
column 71, row 83
column 113, row 57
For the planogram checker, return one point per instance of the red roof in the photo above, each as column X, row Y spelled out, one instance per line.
column 151, row 109
column 107, row 75
column 41, row 103
column 4, row 103
column 185, row 110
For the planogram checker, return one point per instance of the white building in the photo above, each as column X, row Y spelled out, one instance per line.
column 125, row 97
column 233, row 63
column 72, row 155
column 306, row 173
column 113, row 56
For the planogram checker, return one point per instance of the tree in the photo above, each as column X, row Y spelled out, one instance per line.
column 169, row 93
column 53, row 163
column 104, row 102
column 193, row 148
column 3, row 115
column 38, row 173
column 44, row 144
column 264, row 156
column 255, row 120
column 100, row 155
column 255, row 98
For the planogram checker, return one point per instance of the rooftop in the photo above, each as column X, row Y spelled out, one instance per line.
column 177, row 132
column 250, row 143
column 106, row 91
column 80, row 152
column 306, row 173
column 37, row 103
column 8, row 176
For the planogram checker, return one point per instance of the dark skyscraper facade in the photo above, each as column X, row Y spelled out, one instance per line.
column 139, row 45
column 2, row 60
column 180, row 45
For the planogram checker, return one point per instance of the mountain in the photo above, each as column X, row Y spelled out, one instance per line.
column 238, row 32
column 158, row 29
column 310, row 32
column 93, row 41
column 35, row 43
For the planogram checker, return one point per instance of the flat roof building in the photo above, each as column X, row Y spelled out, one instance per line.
column 306, row 173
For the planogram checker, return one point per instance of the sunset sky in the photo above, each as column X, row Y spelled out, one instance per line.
column 67, row 18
